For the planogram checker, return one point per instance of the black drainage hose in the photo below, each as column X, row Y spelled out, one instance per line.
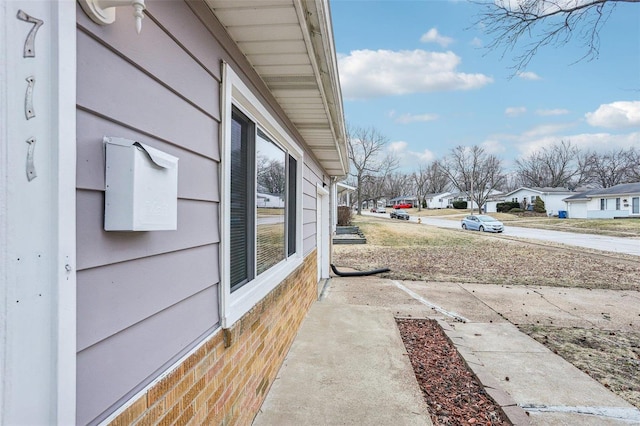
column 359, row 273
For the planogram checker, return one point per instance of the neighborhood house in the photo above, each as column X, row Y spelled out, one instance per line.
column 605, row 203
column 553, row 198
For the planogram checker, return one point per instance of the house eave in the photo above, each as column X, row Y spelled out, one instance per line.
column 289, row 43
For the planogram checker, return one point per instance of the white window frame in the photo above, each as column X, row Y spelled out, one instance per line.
column 235, row 93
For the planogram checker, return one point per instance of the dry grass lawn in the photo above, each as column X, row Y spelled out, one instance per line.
column 612, row 227
column 418, row 252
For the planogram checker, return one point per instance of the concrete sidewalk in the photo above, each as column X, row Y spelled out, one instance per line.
column 348, row 364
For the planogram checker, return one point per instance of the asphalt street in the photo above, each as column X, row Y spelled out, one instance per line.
column 597, row 242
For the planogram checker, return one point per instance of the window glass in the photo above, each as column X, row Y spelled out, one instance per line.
column 241, row 202
column 271, row 193
column 292, row 173
column 263, row 202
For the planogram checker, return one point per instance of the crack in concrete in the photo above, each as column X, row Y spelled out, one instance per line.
column 491, row 308
column 561, row 309
column 631, row 415
column 433, row 306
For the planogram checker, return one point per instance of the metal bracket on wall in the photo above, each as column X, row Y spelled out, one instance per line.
column 31, row 168
column 29, row 44
column 29, row 112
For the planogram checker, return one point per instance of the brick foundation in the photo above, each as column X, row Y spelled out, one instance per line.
column 226, row 380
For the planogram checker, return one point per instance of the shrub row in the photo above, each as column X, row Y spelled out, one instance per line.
column 507, row 206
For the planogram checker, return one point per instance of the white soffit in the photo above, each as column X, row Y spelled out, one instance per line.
column 290, row 45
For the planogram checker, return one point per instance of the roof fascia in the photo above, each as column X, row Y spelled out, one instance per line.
column 315, row 23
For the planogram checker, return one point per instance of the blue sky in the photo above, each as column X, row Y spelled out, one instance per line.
column 418, row 71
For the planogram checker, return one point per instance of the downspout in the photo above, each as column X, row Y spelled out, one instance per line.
column 333, row 208
column 222, row 308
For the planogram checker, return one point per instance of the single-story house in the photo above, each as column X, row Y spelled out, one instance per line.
column 137, row 285
column 491, row 205
column 464, row 196
column 270, row 200
column 405, row 199
column 553, row 198
column 437, row 200
column 621, row 200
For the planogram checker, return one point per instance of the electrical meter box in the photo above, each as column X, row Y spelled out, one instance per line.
column 141, row 187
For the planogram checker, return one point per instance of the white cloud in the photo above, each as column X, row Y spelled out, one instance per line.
column 408, row 159
column 583, row 141
column 550, row 112
column 425, row 156
column 616, row 115
column 493, row 147
column 398, row 147
column 432, row 36
column 372, row 73
column 476, row 42
column 529, row 75
column 546, row 129
column 514, row 111
column 412, row 118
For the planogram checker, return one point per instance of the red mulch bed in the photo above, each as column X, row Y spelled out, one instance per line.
column 453, row 394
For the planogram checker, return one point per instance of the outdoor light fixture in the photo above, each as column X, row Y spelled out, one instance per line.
column 103, row 12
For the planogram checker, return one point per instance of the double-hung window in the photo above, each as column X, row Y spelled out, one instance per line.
column 261, row 231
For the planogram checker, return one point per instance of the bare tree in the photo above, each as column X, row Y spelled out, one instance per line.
column 633, row 174
column 437, row 179
column 561, row 165
column 398, row 184
column 271, row 177
column 365, row 148
column 473, row 171
column 429, row 179
column 546, row 22
column 511, row 182
column 420, row 180
column 614, row 167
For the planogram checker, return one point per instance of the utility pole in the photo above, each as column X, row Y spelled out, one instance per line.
column 471, row 192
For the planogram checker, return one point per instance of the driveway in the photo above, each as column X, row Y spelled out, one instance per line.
column 597, row 242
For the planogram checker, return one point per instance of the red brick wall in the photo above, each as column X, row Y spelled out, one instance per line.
column 226, row 380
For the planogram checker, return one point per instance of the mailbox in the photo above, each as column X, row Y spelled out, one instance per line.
column 141, row 187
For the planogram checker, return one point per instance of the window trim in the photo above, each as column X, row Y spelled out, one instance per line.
column 235, row 94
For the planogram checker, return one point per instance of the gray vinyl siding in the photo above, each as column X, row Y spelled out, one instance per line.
column 145, row 298
column 312, row 175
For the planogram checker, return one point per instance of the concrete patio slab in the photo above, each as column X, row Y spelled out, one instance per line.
column 348, row 366
column 454, row 297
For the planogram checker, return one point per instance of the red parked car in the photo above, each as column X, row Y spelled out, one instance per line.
column 402, row 206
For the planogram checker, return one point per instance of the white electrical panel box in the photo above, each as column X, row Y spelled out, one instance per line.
column 141, row 187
